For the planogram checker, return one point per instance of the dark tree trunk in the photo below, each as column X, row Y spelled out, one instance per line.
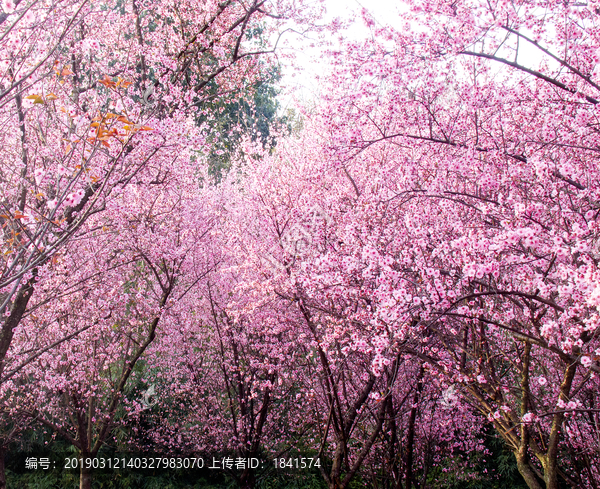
column 529, row 475
column 2, row 468
column 410, row 437
column 85, row 474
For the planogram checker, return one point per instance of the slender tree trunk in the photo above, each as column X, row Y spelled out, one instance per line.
column 410, row 437
column 392, row 466
column 551, row 473
column 85, row 474
column 550, row 461
column 247, row 479
column 521, row 454
column 2, row 468
column 338, row 459
column 529, row 475
column 335, row 483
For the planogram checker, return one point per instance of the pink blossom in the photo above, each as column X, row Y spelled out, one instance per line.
column 39, row 175
column 529, row 418
column 8, row 6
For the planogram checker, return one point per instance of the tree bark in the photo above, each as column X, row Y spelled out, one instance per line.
column 522, row 454
column 410, row 437
column 2, row 468
column 529, row 475
column 247, row 479
column 550, row 462
column 85, row 474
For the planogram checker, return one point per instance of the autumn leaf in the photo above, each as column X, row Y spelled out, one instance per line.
column 122, row 83
column 37, row 99
column 107, row 82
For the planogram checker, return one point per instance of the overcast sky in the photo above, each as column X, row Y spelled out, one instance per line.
column 302, row 83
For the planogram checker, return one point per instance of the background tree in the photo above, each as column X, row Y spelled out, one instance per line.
column 120, row 73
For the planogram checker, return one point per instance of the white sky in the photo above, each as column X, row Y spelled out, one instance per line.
column 301, row 82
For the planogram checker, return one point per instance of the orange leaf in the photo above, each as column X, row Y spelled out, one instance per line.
column 122, row 83
column 37, row 99
column 107, row 82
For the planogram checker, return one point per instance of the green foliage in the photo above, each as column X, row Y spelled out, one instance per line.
column 298, row 480
column 495, row 471
column 498, row 470
column 253, row 113
column 127, row 478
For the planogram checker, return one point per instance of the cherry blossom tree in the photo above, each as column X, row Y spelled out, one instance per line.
column 234, row 371
column 423, row 257
column 148, row 259
column 105, row 99
column 293, row 229
column 87, row 104
column 484, row 191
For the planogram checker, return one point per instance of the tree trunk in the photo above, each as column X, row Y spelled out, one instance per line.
column 392, row 465
column 85, row 474
column 551, row 473
column 529, row 475
column 410, row 437
column 336, row 483
column 338, row 460
column 2, row 468
column 248, row 478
